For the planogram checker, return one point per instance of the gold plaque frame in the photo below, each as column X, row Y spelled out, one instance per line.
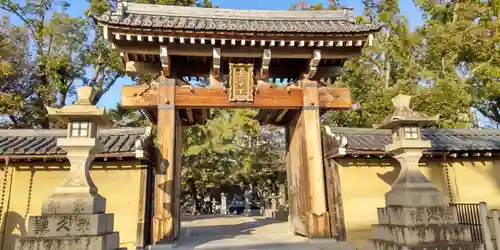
column 241, row 82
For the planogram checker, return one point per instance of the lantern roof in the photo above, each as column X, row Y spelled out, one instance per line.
column 82, row 108
column 404, row 115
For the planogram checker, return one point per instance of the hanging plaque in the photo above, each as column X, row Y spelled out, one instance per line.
column 241, row 82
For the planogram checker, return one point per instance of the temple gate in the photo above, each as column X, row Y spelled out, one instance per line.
column 240, row 53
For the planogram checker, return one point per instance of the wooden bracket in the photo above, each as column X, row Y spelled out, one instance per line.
column 264, row 70
column 216, row 62
column 313, row 64
column 165, row 61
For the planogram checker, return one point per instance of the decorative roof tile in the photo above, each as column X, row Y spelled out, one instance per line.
column 365, row 140
column 21, row 142
column 217, row 19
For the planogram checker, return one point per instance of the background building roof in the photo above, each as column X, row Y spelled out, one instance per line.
column 232, row 20
column 30, row 143
column 372, row 141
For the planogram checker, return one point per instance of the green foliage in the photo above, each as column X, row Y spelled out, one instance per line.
column 449, row 65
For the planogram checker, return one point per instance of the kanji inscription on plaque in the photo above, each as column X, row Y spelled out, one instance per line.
column 241, row 82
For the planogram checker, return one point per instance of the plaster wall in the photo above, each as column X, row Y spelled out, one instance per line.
column 120, row 183
column 364, row 183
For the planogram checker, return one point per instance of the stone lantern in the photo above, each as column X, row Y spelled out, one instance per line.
column 416, row 215
column 81, row 145
column 74, row 216
column 411, row 187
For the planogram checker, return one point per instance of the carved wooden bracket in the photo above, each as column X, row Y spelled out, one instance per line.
column 241, row 82
column 264, row 70
column 216, row 69
column 313, row 64
column 165, row 61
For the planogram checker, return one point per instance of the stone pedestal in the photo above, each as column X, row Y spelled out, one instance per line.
column 74, row 217
column 423, row 228
column 416, row 216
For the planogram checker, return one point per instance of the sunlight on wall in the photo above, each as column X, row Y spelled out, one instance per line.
column 365, row 182
column 120, row 186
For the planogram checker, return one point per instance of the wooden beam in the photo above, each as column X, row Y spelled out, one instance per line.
column 142, row 96
column 190, row 117
column 216, row 98
column 281, row 115
column 335, row 98
column 226, row 51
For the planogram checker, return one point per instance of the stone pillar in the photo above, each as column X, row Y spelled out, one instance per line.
column 416, row 215
column 74, row 216
column 223, row 203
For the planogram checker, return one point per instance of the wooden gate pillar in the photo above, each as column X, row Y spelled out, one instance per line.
column 306, row 177
column 166, row 220
column 319, row 220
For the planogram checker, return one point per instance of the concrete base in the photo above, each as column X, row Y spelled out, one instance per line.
column 104, row 242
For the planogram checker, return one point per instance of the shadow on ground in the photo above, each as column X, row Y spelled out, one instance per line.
column 242, row 232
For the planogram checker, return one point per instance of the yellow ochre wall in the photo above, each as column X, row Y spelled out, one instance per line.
column 364, row 183
column 119, row 182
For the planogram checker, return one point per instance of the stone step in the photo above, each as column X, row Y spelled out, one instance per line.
column 384, row 245
column 421, row 234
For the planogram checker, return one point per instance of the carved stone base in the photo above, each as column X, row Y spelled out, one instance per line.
column 383, row 245
column 429, row 228
column 103, row 242
column 70, row 225
column 415, row 197
column 414, row 216
column 74, row 204
column 60, row 232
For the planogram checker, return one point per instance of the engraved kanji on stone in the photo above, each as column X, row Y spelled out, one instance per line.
column 416, row 217
column 83, row 224
column 41, row 225
column 52, row 206
column 64, row 223
column 78, row 206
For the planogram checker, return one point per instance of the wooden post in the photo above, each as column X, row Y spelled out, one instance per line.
column 319, row 220
column 166, row 221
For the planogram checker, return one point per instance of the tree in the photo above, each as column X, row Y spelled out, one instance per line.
column 398, row 62
column 58, row 55
column 460, row 50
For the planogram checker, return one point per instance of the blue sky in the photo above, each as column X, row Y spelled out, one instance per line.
column 110, row 99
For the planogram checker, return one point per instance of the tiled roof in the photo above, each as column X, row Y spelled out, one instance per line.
column 216, row 19
column 20, row 142
column 362, row 140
